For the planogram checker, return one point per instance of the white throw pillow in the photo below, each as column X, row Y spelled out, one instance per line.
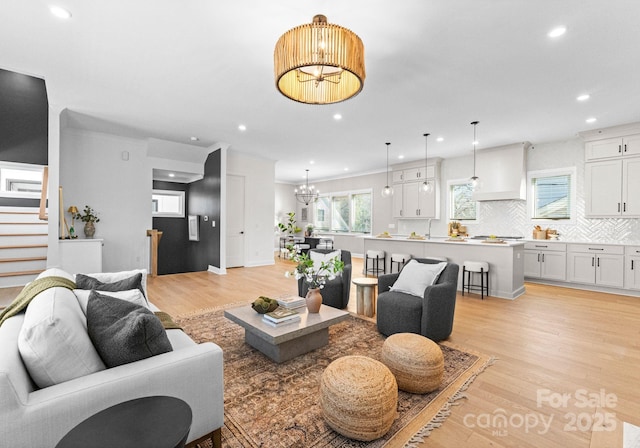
column 131, row 295
column 415, row 277
column 318, row 257
column 111, row 277
column 53, row 341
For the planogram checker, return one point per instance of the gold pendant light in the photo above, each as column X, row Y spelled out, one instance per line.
column 319, row 63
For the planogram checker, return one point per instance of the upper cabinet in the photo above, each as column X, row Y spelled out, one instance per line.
column 612, row 172
column 409, row 201
column 612, row 147
column 502, row 172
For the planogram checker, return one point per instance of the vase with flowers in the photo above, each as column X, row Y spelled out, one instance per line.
column 89, row 216
column 316, row 276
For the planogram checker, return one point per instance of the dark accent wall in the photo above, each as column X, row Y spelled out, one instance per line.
column 24, row 119
column 204, row 200
column 176, row 253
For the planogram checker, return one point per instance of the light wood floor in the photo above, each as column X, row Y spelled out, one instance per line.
column 549, row 341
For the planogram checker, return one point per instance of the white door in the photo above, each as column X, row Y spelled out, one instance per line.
column 235, row 221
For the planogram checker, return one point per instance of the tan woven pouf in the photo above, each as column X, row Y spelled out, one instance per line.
column 358, row 397
column 416, row 362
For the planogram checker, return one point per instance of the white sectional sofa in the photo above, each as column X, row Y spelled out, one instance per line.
column 33, row 417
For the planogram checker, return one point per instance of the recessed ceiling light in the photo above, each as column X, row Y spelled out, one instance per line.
column 337, row 116
column 400, row 156
column 59, row 12
column 583, row 97
column 312, row 162
column 557, row 32
column 242, row 127
column 591, row 120
column 172, row 175
column 346, row 169
column 194, row 139
column 440, row 139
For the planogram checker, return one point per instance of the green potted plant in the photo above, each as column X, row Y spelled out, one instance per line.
column 291, row 228
column 309, row 231
column 89, row 216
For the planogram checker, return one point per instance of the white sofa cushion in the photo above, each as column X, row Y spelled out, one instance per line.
column 415, row 277
column 53, row 341
column 130, row 295
column 55, row 272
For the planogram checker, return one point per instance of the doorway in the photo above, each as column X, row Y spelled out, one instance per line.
column 235, row 221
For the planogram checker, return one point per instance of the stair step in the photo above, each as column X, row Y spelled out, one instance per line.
column 23, row 246
column 10, row 281
column 16, row 260
column 19, row 273
column 4, row 212
column 22, row 234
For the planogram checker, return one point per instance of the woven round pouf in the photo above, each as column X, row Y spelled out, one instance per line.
column 416, row 362
column 358, row 397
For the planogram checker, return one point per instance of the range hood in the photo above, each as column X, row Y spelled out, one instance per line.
column 503, row 173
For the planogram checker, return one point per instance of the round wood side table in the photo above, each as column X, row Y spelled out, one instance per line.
column 366, row 295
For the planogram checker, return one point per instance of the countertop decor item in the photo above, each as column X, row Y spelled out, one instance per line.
column 263, row 305
column 89, row 216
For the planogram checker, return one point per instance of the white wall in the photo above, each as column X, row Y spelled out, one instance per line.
column 259, row 177
column 92, row 172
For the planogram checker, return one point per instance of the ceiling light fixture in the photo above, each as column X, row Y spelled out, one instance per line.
column 194, row 139
column 387, row 191
column 591, row 120
column 307, row 193
column 242, row 127
column 319, row 63
column 337, row 117
column 426, row 186
column 440, row 139
column 60, row 12
column 583, row 97
column 474, row 178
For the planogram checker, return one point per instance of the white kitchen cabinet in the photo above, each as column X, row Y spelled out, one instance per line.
column 611, row 188
column 397, row 201
column 545, row 261
column 397, row 177
column 81, row 255
column 613, row 147
column 596, row 264
column 632, row 267
column 418, row 204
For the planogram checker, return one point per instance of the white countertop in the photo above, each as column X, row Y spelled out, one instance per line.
column 446, row 240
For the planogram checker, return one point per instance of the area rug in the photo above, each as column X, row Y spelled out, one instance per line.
column 276, row 405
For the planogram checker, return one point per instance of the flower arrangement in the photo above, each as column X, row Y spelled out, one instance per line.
column 316, row 277
column 87, row 215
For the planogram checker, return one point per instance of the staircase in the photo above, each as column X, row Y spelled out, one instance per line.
column 23, row 245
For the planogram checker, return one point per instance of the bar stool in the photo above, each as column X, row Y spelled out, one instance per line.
column 401, row 259
column 476, row 267
column 375, row 256
column 325, row 242
column 300, row 245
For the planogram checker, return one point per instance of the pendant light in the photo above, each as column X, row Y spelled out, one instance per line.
column 387, row 191
column 474, row 179
column 426, row 186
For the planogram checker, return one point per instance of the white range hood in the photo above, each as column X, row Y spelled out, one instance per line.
column 503, row 173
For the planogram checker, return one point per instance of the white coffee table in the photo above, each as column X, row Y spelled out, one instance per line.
column 290, row 340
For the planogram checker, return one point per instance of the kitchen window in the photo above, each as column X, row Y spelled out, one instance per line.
column 462, row 207
column 344, row 212
column 552, row 194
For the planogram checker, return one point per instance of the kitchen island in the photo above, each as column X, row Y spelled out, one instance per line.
column 506, row 259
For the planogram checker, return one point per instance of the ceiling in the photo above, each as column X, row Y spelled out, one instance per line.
column 174, row 69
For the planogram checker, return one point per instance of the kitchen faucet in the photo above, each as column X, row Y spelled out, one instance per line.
column 428, row 235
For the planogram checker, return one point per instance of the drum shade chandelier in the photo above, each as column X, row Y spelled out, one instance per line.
column 306, row 193
column 319, row 63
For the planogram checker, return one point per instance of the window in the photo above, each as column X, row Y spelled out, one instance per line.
column 462, row 206
column 552, row 194
column 344, row 212
column 167, row 204
column 20, row 180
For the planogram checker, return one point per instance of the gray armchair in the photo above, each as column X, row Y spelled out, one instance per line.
column 430, row 315
column 335, row 292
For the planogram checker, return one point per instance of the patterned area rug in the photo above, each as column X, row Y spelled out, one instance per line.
column 276, row 405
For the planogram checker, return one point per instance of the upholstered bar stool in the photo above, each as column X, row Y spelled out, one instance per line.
column 376, row 257
column 475, row 267
column 325, row 242
column 400, row 259
column 300, row 245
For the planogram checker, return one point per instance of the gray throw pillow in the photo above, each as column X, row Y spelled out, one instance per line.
column 123, row 332
column 86, row 282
